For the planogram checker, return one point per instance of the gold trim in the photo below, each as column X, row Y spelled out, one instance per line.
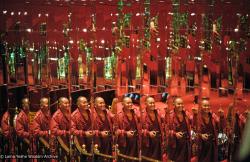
column 64, row 146
column 97, row 152
column 128, row 157
column 26, row 141
column 150, row 159
column 45, row 143
column 82, row 150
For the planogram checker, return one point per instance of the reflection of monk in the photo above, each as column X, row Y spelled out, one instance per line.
column 7, row 133
column 22, row 128
column 152, row 131
column 81, row 127
column 41, row 127
column 208, row 127
column 127, row 130
column 179, row 127
column 60, row 126
column 104, row 125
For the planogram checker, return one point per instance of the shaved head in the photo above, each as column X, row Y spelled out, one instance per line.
column 64, row 104
column 178, row 104
column 127, row 103
column 25, row 104
column 44, row 104
column 82, row 103
column 205, row 106
column 100, row 103
column 150, row 103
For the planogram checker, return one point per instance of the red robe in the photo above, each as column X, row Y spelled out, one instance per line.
column 22, row 131
column 179, row 149
column 104, row 144
column 5, row 125
column 60, row 130
column 41, row 132
column 152, row 147
column 22, row 125
column 7, row 130
column 128, row 146
column 41, row 124
column 208, row 150
column 78, row 127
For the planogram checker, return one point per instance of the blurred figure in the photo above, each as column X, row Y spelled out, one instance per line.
column 22, row 129
column 127, row 128
column 82, row 129
column 60, row 130
column 208, row 127
column 178, row 133
column 152, row 131
column 7, row 130
column 41, row 129
column 104, row 125
column 244, row 150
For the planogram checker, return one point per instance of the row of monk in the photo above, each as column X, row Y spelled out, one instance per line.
column 94, row 133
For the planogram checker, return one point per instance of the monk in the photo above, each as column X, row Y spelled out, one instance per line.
column 22, row 128
column 178, row 133
column 41, row 128
column 152, row 131
column 104, row 125
column 60, row 130
column 209, row 125
column 7, row 131
column 127, row 130
column 82, row 129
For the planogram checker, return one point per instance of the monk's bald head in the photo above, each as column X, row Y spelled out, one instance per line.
column 82, row 103
column 205, row 106
column 127, row 103
column 25, row 104
column 178, row 104
column 44, row 104
column 64, row 104
column 150, row 103
column 100, row 103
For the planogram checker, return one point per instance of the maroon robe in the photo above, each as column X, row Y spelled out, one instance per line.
column 60, row 129
column 23, row 135
column 152, row 147
column 41, row 132
column 128, row 146
column 5, row 125
column 104, row 143
column 41, row 124
column 78, row 127
column 179, row 149
column 22, row 125
column 7, row 131
column 208, row 150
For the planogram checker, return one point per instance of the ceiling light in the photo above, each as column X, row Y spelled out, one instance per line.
column 236, row 30
column 4, row 11
column 12, row 13
column 28, row 30
column 25, row 13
